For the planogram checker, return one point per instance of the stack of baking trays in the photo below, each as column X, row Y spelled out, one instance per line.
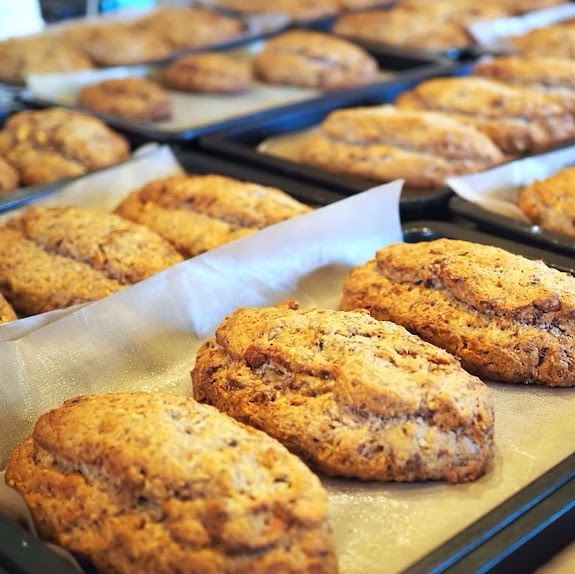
column 288, row 290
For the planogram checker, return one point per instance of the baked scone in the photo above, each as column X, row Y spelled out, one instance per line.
column 523, row 6
column 196, row 213
column 9, row 178
column 210, row 72
column 352, row 396
column 316, row 60
column 550, row 202
column 20, row 57
column 428, row 25
column 518, row 120
column 507, row 318
column 54, row 257
column 7, row 314
column 385, row 143
column 300, row 9
column 182, row 28
column 132, row 98
column 556, row 40
column 542, row 73
column 51, row 144
column 152, row 482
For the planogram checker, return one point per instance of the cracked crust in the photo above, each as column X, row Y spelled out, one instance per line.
column 385, row 143
column 551, row 202
column 199, row 212
column 139, row 482
column 9, row 178
column 7, row 313
column 352, row 396
column 508, row 318
column 132, row 98
column 209, row 72
column 55, row 257
column 517, row 119
column 48, row 145
column 316, row 60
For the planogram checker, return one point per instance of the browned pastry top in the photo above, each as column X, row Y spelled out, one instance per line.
column 348, row 393
column 556, row 40
column 9, row 177
column 313, row 59
column 302, row 9
column 209, row 72
column 151, row 482
column 58, row 256
column 132, row 98
column 197, row 213
column 7, row 314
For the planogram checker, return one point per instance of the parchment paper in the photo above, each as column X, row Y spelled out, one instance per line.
column 189, row 110
column 492, row 35
column 496, row 189
column 146, row 338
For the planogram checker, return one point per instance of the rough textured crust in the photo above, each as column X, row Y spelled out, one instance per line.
column 48, row 145
column 159, row 483
column 352, row 396
column 197, row 213
column 428, row 25
column 20, row 57
column 132, row 98
column 6, row 312
column 508, row 318
column 556, row 40
column 312, row 59
column 551, row 202
column 542, row 73
column 302, row 9
column 209, row 72
column 9, row 178
column 523, row 6
column 385, row 143
column 517, row 119
column 192, row 27
column 58, row 256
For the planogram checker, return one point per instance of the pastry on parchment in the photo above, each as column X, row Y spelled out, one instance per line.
column 506, row 317
column 152, row 482
column 199, row 212
column 385, row 143
column 550, row 202
column 518, row 120
column 316, row 60
column 131, row 98
column 51, row 144
column 210, row 72
column 6, row 312
column 8, row 177
column 351, row 395
column 55, row 257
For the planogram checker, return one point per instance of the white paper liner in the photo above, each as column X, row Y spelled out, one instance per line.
column 496, row 189
column 492, row 35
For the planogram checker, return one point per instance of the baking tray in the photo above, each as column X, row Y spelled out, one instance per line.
column 215, row 111
column 530, row 523
column 240, row 143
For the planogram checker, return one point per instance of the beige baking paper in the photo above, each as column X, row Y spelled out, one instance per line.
column 493, row 35
column 146, row 338
column 496, row 189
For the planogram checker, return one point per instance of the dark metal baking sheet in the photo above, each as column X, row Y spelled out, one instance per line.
column 391, row 59
column 514, row 229
column 241, row 142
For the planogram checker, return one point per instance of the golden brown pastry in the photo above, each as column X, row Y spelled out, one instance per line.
column 557, row 40
column 300, row 9
column 507, row 318
column 550, row 202
column 210, row 72
column 199, row 212
column 9, row 178
column 315, row 60
column 131, row 98
column 192, row 27
column 55, row 257
column 20, row 57
column 150, row 483
column 352, row 396
column 7, row 314
column 385, row 143
column 517, row 119
column 55, row 143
